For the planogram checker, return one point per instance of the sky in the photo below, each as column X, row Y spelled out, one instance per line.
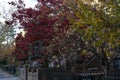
column 5, row 7
column 5, row 10
column 29, row 3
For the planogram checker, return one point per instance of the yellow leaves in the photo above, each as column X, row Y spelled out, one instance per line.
column 98, row 43
column 84, row 52
column 78, row 14
column 88, row 33
column 109, row 54
column 100, row 22
column 112, row 38
column 5, row 51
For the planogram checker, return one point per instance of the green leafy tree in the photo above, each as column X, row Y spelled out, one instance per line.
column 6, row 41
column 7, row 34
column 99, row 27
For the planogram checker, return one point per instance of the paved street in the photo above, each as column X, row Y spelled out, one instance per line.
column 6, row 76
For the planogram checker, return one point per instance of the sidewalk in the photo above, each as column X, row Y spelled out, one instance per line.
column 7, row 76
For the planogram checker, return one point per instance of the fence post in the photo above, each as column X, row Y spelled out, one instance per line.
column 29, row 74
column 35, row 74
column 23, row 73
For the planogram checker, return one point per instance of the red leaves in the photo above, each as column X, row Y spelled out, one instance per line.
column 41, row 24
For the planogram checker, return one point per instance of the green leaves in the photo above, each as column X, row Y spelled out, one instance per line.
column 99, row 19
column 99, row 26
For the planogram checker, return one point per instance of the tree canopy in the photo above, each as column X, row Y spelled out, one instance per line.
column 41, row 24
column 99, row 27
column 94, row 26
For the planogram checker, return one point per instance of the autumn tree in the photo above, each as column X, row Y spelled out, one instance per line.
column 99, row 26
column 69, row 47
column 41, row 24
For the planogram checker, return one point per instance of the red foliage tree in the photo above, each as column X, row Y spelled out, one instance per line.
column 41, row 23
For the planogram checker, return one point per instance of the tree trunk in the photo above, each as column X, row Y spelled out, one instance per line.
column 106, row 71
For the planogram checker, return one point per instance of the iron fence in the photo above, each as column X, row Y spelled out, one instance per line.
column 59, row 74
